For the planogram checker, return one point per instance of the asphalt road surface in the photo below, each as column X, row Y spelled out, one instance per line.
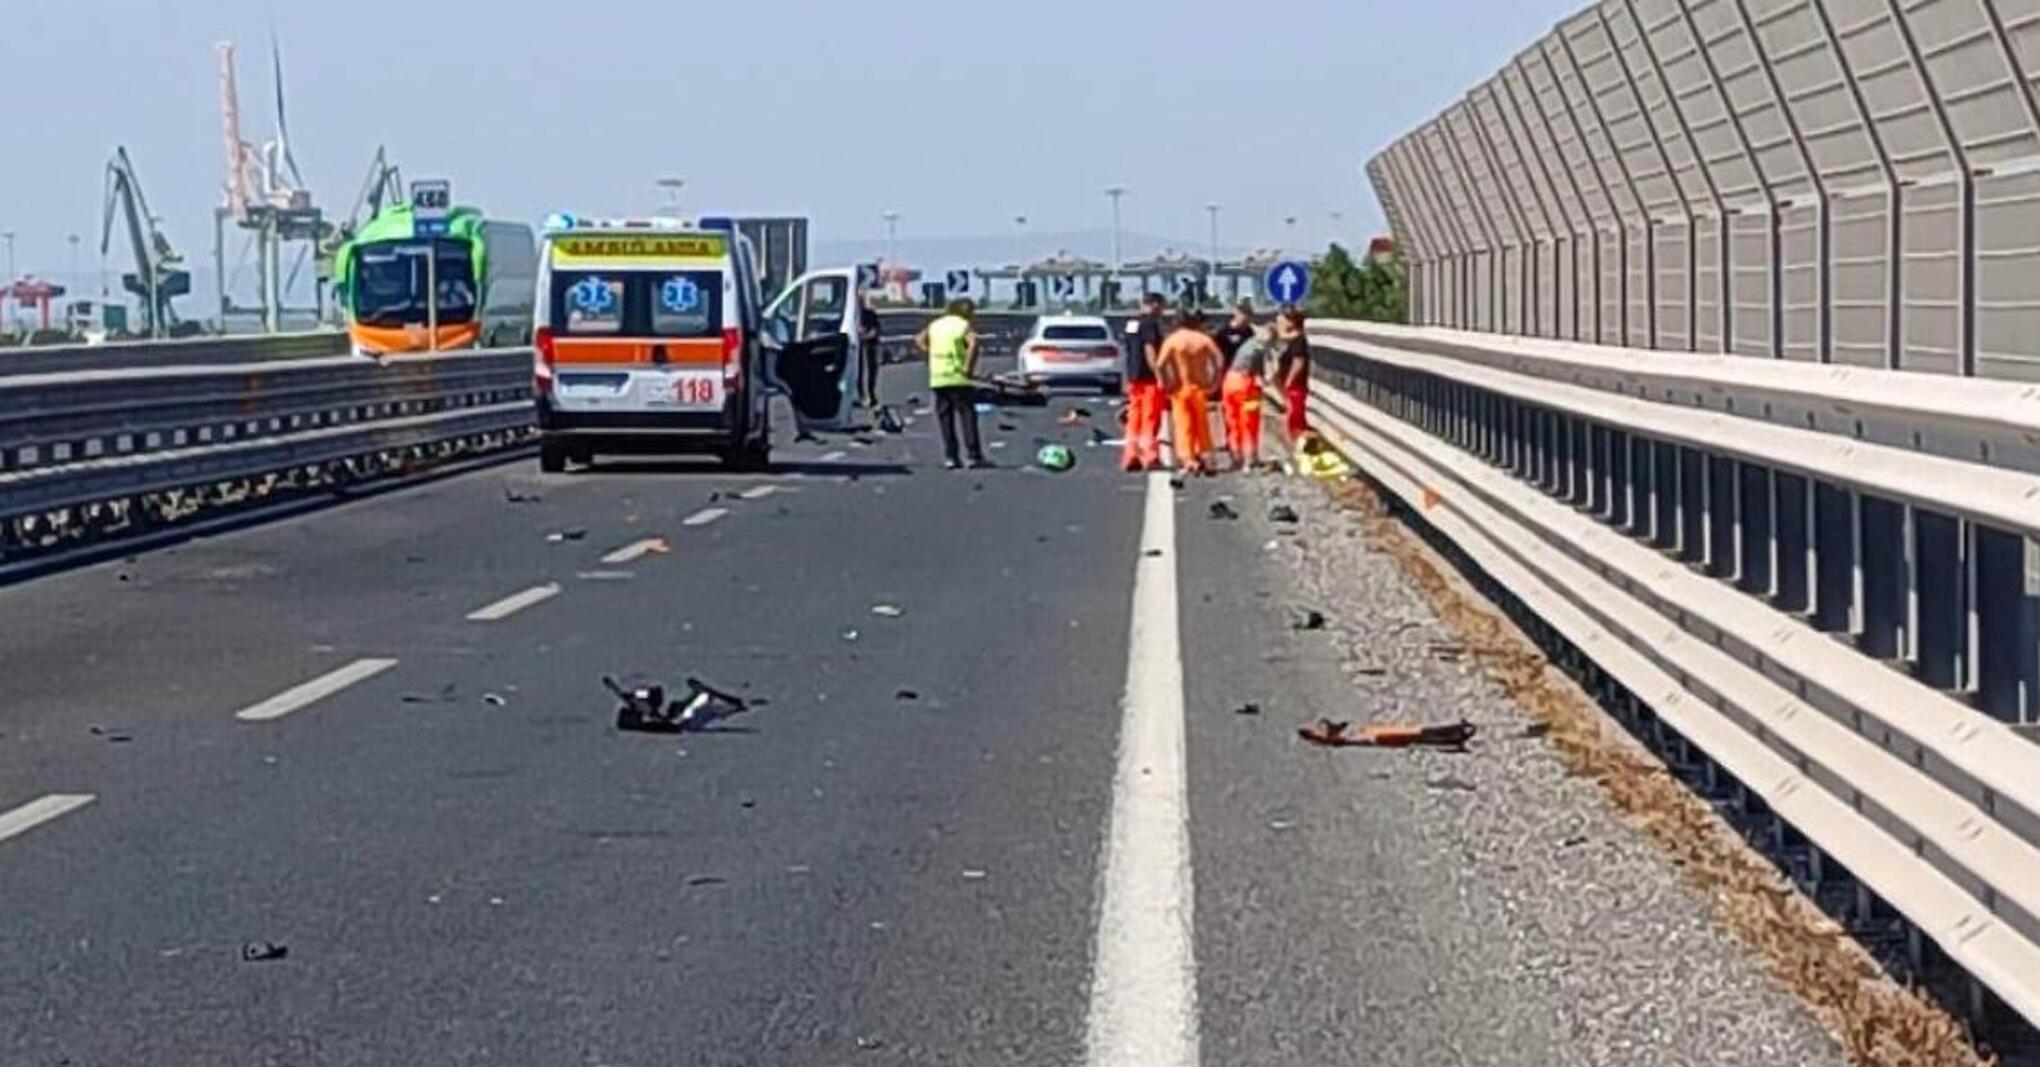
column 1015, row 821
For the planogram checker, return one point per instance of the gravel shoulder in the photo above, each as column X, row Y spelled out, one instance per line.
column 1415, row 907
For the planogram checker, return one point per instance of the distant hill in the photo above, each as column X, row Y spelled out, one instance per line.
column 942, row 253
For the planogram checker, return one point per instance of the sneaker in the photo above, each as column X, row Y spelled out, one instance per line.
column 951, row 465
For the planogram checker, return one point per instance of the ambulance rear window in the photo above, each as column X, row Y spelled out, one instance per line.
column 638, row 303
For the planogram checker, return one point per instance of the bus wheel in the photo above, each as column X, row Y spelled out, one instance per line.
column 552, row 457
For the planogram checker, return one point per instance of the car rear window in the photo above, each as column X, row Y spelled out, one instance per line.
column 638, row 303
column 1075, row 333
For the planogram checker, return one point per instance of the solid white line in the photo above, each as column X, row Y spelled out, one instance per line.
column 1144, row 976
column 760, row 493
column 631, row 553
column 832, row 457
column 317, row 689
column 511, row 605
column 41, row 810
column 704, row 516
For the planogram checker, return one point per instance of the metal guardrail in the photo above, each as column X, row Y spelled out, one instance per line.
column 108, row 454
column 1845, row 628
column 1835, row 181
column 196, row 351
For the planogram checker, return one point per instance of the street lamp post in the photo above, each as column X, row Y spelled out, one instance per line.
column 1116, row 192
column 672, row 183
column 7, row 325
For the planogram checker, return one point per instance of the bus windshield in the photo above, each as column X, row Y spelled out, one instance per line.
column 390, row 279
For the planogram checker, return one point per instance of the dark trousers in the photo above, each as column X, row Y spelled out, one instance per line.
column 869, row 355
column 956, row 410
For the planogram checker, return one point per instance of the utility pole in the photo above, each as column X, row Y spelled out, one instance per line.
column 892, row 238
column 6, row 324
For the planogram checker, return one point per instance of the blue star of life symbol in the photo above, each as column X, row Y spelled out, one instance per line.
column 593, row 295
column 680, row 295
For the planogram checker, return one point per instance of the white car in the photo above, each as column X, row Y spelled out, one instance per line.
column 1072, row 350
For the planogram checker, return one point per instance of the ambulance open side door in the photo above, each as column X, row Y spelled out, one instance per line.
column 812, row 332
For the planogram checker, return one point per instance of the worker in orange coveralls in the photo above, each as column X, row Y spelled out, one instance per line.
column 1190, row 365
column 1143, row 389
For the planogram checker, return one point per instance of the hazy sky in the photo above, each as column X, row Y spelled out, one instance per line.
column 958, row 115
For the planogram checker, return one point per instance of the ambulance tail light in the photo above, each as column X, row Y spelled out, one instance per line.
column 733, row 358
column 542, row 366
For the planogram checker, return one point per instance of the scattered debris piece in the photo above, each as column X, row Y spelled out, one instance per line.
column 870, row 1044
column 259, row 951
column 573, row 534
column 1221, row 511
column 851, row 634
column 514, row 496
column 1248, row 708
column 700, row 880
column 1534, row 731
column 888, row 611
column 1450, row 651
column 1450, row 784
column 1370, row 671
column 1055, row 458
column 1284, row 514
column 1388, row 735
column 1007, row 427
column 1177, row 482
column 1281, row 824
column 1574, row 841
column 906, row 695
column 646, row 710
column 973, row 876
column 117, row 737
column 1308, row 619
column 495, row 700
column 1153, row 553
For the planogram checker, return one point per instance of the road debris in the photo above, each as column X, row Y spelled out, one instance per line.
column 1450, row 784
column 1248, row 708
column 117, row 737
column 513, row 496
column 973, row 876
column 888, row 611
column 1222, row 511
column 573, row 534
column 1308, row 619
column 906, row 695
column 646, row 710
column 495, row 700
column 851, row 634
column 701, row 880
column 1284, row 514
column 1326, row 732
column 1449, row 651
column 260, row 951
column 1055, row 459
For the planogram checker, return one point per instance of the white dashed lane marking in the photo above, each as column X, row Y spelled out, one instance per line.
column 631, row 553
column 317, row 689
column 39, row 811
column 511, row 605
column 704, row 517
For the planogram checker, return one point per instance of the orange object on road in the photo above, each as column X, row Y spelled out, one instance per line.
column 1241, row 400
column 1387, row 735
column 1143, row 425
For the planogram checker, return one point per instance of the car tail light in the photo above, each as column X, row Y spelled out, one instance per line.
column 542, row 367
column 733, row 358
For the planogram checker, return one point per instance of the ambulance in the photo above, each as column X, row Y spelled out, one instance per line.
column 651, row 337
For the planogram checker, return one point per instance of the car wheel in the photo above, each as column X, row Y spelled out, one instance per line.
column 552, row 457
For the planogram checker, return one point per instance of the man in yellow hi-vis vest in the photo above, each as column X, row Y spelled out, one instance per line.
column 952, row 349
